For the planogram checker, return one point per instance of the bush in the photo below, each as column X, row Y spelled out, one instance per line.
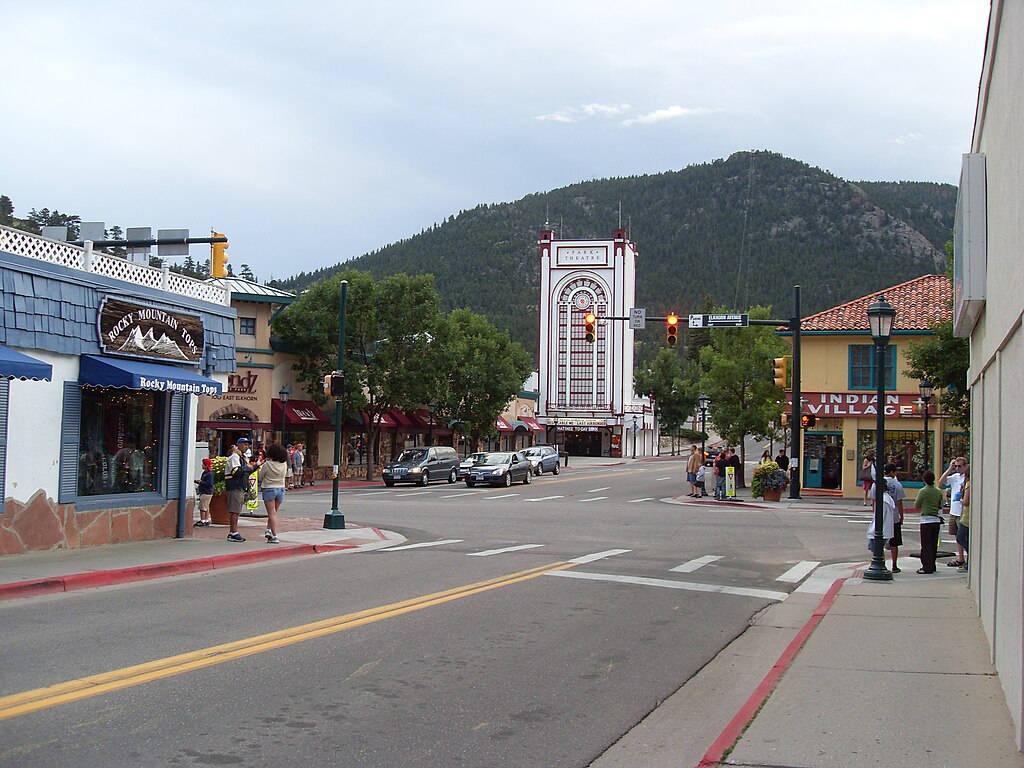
column 219, row 465
column 768, row 477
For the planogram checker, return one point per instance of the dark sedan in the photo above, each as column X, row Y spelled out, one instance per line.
column 500, row 468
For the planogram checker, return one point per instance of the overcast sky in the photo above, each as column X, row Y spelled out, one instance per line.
column 311, row 132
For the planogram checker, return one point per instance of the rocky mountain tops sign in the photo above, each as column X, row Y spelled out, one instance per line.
column 135, row 330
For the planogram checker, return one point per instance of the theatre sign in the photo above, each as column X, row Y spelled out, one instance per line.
column 838, row 404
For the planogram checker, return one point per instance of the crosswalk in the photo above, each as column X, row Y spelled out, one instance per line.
column 489, row 495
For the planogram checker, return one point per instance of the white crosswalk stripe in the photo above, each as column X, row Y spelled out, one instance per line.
column 799, row 571
column 503, row 550
column 693, row 565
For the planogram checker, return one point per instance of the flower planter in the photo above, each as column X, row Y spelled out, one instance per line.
column 219, row 509
column 772, row 495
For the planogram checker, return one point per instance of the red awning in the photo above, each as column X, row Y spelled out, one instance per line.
column 532, row 423
column 503, row 426
column 403, row 421
column 382, row 420
column 299, row 414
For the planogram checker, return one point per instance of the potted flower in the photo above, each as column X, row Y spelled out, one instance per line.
column 768, row 482
column 219, row 502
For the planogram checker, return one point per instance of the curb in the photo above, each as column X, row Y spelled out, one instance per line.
column 92, row 579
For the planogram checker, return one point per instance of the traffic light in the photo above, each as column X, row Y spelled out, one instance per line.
column 219, row 259
column 781, row 378
column 672, row 330
column 334, row 384
column 807, row 420
column 590, row 327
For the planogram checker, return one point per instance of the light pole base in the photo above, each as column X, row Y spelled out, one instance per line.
column 877, row 570
column 334, row 521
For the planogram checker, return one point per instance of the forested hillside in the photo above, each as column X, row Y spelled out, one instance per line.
column 742, row 230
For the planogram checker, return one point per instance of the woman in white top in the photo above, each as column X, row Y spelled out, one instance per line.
column 272, row 477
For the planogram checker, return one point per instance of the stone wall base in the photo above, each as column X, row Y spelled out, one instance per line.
column 41, row 524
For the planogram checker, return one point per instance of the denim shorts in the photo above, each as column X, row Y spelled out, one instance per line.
column 272, row 494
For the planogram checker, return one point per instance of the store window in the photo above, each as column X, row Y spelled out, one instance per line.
column 862, row 367
column 904, row 448
column 247, row 326
column 119, row 436
column 954, row 444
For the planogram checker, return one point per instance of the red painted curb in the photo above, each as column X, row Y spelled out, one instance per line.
column 728, row 738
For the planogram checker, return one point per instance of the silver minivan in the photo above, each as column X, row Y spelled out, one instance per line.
column 423, row 464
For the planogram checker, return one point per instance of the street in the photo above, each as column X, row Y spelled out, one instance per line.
column 529, row 626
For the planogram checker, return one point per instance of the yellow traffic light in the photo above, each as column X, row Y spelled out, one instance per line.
column 590, row 327
column 219, row 259
column 672, row 330
column 781, row 376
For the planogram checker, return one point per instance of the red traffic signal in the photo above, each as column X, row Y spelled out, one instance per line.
column 808, row 420
column 672, row 330
column 590, row 327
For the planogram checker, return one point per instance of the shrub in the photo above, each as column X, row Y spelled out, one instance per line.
column 768, row 477
column 219, row 465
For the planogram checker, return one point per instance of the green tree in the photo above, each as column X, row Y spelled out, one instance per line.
column 944, row 359
column 737, row 376
column 6, row 211
column 662, row 379
column 246, row 273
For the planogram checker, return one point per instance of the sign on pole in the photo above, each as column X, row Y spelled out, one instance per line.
column 719, row 321
column 638, row 318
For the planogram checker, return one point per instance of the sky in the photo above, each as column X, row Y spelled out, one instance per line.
column 311, row 132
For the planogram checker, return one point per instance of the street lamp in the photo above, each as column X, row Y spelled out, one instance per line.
column 431, row 406
column 634, row 437
column 702, row 402
column 880, row 320
column 283, row 394
column 925, row 388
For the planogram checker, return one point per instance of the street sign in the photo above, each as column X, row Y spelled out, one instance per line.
column 637, row 318
column 719, row 321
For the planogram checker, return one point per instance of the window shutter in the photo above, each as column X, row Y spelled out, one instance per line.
column 67, row 487
column 175, row 439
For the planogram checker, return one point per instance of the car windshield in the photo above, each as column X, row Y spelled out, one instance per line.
column 533, row 452
column 412, row 455
column 496, row 458
column 473, row 458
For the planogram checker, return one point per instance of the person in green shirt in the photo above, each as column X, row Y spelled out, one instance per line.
column 929, row 503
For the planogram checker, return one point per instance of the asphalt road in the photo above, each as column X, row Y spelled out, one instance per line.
column 510, row 630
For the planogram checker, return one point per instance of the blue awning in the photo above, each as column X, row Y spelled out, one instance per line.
column 135, row 374
column 17, row 365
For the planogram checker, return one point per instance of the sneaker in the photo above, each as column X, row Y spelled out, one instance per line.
column 235, row 537
column 273, row 540
column 896, row 570
column 962, row 568
column 269, row 534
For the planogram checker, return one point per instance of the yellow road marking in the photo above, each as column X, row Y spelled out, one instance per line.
column 26, row 702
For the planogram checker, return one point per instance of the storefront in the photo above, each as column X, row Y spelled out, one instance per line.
column 124, row 363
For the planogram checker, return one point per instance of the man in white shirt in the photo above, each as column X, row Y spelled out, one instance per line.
column 892, row 514
column 954, row 477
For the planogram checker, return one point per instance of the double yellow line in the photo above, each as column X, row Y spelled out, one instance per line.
column 27, row 702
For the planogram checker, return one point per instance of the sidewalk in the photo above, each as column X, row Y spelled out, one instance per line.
column 843, row 674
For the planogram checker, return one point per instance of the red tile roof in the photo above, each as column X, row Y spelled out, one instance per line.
column 919, row 304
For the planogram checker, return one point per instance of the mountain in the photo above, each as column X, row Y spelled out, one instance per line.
column 743, row 230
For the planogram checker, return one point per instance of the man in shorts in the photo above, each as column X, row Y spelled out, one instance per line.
column 694, row 463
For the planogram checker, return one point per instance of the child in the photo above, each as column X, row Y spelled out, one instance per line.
column 701, row 471
column 204, row 490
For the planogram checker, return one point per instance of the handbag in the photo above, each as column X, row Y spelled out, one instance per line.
column 952, row 526
column 865, row 473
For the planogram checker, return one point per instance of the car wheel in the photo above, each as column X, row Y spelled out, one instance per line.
column 527, row 478
column 389, row 483
column 507, row 479
column 453, row 476
column 555, row 470
column 470, row 483
column 540, row 470
column 424, row 478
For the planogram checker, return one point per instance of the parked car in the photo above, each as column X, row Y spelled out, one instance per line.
column 468, row 462
column 500, row 468
column 421, row 465
column 544, row 458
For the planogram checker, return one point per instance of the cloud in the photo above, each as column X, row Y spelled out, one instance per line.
column 584, row 112
column 669, row 113
column 908, row 138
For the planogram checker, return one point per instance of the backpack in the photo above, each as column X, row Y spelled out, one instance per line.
column 239, row 479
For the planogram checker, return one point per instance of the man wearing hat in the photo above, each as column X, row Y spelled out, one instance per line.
column 204, row 490
column 244, row 447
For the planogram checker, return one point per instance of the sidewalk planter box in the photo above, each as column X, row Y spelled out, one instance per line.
column 772, row 495
column 768, row 482
column 219, row 509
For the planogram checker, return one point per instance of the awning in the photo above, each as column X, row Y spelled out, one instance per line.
column 298, row 414
column 135, row 374
column 517, row 424
column 503, row 426
column 532, row 423
column 382, row 420
column 401, row 420
column 18, row 365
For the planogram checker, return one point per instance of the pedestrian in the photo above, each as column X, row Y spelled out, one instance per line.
column 737, row 466
column 889, row 514
column 895, row 488
column 272, row 476
column 766, row 457
column 289, row 480
column 204, row 492
column 929, row 503
column 701, row 474
column 695, row 462
column 236, row 484
column 867, row 475
column 963, row 528
column 244, row 450
column 954, row 477
column 298, row 459
column 720, row 464
column 782, row 460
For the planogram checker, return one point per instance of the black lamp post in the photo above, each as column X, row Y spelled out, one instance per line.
column 702, row 403
column 283, row 394
column 634, row 437
column 430, row 426
column 880, row 320
column 925, row 387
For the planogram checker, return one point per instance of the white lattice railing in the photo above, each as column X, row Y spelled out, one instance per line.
column 56, row 252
